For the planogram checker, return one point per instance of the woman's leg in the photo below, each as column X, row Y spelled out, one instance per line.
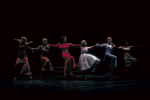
column 17, row 67
column 46, row 65
column 68, row 65
column 26, row 68
column 112, row 63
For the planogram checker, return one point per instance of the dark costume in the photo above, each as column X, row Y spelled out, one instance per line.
column 128, row 59
column 22, row 65
column 45, row 62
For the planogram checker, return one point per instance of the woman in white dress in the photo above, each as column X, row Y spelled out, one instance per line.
column 87, row 61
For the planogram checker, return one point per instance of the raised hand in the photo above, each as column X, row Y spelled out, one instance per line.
column 113, row 44
column 30, row 42
column 15, row 38
column 58, row 44
column 120, row 47
column 43, row 69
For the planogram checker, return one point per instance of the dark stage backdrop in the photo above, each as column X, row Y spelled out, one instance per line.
column 77, row 21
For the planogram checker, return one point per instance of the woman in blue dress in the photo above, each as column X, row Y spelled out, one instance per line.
column 109, row 58
column 87, row 62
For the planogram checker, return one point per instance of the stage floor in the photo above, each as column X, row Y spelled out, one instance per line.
column 57, row 87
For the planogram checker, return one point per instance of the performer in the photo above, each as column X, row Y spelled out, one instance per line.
column 22, row 60
column 45, row 62
column 86, row 61
column 128, row 59
column 69, row 60
column 109, row 57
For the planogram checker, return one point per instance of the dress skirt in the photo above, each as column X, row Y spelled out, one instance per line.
column 111, row 60
column 22, row 66
column 46, row 64
column 69, row 64
column 86, row 61
column 128, row 59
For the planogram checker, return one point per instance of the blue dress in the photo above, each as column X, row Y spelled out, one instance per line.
column 86, row 60
column 108, row 56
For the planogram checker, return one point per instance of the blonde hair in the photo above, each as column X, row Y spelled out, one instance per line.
column 83, row 42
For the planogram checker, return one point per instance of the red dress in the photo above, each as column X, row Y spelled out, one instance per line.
column 69, row 60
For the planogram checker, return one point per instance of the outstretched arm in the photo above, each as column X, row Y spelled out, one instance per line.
column 57, row 45
column 30, row 42
column 17, row 40
column 99, row 45
column 74, row 44
column 35, row 49
column 120, row 47
column 113, row 45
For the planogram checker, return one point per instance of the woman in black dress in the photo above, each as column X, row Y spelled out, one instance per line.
column 22, row 65
column 128, row 59
column 45, row 62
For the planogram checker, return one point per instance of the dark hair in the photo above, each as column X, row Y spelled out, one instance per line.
column 124, row 41
column 62, row 38
column 24, row 38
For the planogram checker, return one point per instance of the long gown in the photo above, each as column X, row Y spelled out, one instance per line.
column 128, row 59
column 86, row 60
column 109, row 58
column 69, row 60
column 22, row 65
column 45, row 62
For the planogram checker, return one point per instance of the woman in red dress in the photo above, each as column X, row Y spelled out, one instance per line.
column 69, row 60
column 22, row 65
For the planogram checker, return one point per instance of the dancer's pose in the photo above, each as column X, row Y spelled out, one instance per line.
column 86, row 61
column 69, row 60
column 22, row 65
column 108, row 57
column 128, row 59
column 45, row 62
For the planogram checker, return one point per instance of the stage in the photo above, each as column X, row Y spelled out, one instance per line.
column 74, row 87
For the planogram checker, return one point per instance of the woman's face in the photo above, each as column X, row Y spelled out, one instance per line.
column 84, row 44
column 126, row 44
column 109, row 40
column 65, row 40
column 22, row 40
column 44, row 42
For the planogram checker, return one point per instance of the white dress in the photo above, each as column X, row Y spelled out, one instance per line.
column 86, row 60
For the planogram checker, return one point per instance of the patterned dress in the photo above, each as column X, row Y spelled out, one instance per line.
column 86, row 60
